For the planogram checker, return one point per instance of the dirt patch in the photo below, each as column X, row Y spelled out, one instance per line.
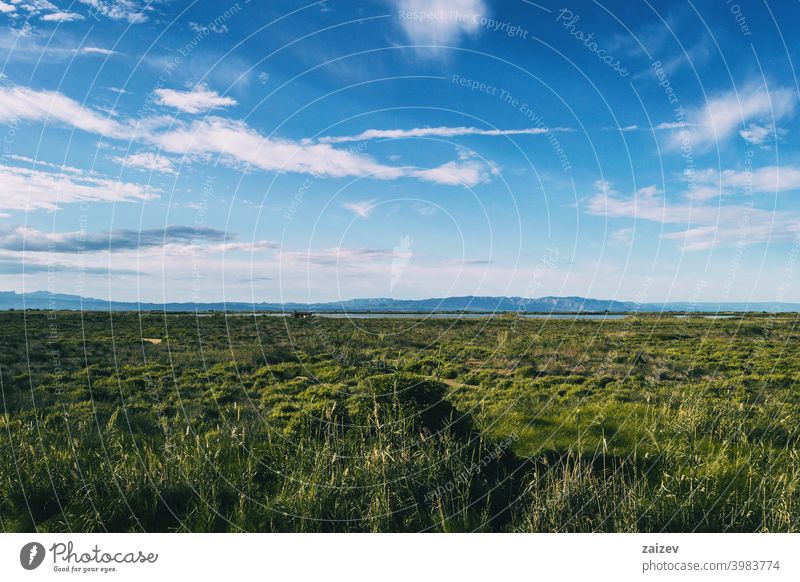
column 152, row 340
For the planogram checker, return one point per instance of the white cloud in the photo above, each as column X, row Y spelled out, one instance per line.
column 93, row 50
column 425, row 210
column 147, row 161
column 234, row 141
column 692, row 57
column 464, row 173
column 31, row 240
column 758, row 227
column 762, row 134
column 439, row 22
column 12, row 269
column 647, row 203
column 197, row 100
column 361, row 209
column 724, row 114
column 671, row 125
column 250, row 247
column 129, row 10
column 756, row 134
column 659, row 127
column 764, row 180
column 27, row 189
column 436, row 132
column 213, row 27
column 47, row 11
column 237, row 142
column 623, row 236
column 33, row 162
column 23, row 104
column 35, row 6
column 62, row 17
column 351, row 257
column 705, row 226
column 710, row 183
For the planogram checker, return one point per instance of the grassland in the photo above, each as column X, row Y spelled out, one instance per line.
column 168, row 422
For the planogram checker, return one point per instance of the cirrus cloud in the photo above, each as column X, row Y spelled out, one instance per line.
column 94, row 50
column 233, row 141
column 437, row 132
column 27, row 189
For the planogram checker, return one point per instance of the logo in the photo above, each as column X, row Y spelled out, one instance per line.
column 401, row 255
column 31, row 555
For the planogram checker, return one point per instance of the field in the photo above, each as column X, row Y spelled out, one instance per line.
column 170, row 422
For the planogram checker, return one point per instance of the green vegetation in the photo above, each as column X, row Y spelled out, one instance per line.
column 235, row 423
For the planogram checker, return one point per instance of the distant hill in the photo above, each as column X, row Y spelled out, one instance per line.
column 58, row 301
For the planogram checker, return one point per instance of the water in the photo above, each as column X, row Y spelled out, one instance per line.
column 571, row 316
column 396, row 315
column 708, row 316
column 590, row 316
column 256, row 314
column 405, row 315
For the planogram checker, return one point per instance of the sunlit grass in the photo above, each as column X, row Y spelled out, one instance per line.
column 644, row 424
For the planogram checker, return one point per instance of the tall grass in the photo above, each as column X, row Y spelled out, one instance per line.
column 610, row 434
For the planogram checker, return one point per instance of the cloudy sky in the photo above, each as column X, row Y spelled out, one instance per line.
column 267, row 151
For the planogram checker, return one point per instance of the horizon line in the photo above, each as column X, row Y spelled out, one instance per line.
column 396, row 299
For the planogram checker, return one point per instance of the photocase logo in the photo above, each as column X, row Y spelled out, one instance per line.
column 401, row 255
column 31, row 555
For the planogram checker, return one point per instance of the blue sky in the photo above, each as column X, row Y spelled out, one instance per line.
column 399, row 148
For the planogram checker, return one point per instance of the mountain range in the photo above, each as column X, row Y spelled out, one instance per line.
column 60, row 301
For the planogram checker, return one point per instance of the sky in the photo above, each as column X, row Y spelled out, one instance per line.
column 290, row 151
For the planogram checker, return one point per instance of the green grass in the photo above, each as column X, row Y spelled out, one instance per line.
column 241, row 424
